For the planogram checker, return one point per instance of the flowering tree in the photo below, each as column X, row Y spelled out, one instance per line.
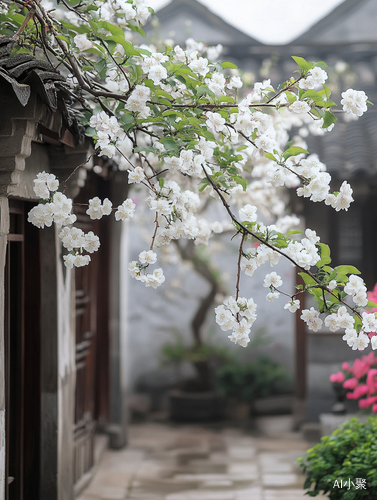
column 173, row 118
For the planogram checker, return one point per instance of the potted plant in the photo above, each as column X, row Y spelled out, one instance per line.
column 197, row 398
column 342, row 466
column 359, row 381
column 263, row 384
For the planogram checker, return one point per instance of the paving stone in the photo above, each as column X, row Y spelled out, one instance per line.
column 107, row 492
column 279, row 479
column 243, row 472
column 87, row 496
column 241, row 452
column 219, row 483
column 288, row 495
column 249, row 494
column 164, row 462
column 202, row 495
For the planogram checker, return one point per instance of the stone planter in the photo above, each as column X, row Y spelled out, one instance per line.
column 331, row 422
column 196, row 406
column 273, row 405
column 274, row 425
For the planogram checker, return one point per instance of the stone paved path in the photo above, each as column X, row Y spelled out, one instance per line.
column 192, row 462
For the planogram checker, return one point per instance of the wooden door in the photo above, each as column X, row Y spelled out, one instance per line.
column 91, row 399
column 22, row 356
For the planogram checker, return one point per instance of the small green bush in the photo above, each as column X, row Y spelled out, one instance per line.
column 348, row 455
column 257, row 379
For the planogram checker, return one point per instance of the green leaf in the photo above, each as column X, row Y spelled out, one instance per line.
column 327, row 91
column 169, row 143
column 226, row 98
column 229, row 65
column 291, row 232
column 347, row 270
column 146, row 149
column 126, row 118
column 64, row 38
column 291, row 97
column 321, row 64
column 312, row 94
column 144, row 51
column 76, row 29
column 303, row 64
column 328, row 119
column 162, row 93
column 129, row 49
column 371, row 303
column 114, row 30
column 202, row 90
column 101, row 68
column 308, row 280
column 325, row 255
column 270, row 156
column 294, row 151
column 240, row 180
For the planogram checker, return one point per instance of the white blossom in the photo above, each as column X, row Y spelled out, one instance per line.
column 126, row 210
column 299, row 107
column 354, row 102
column 82, row 42
column 272, row 279
column 147, row 257
column 292, row 306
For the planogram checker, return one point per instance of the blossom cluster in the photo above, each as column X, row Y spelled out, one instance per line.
column 356, row 289
column 138, row 270
column 314, row 79
column 76, row 241
column 55, row 208
column 137, row 102
column 108, row 133
column 317, row 185
column 360, row 381
column 237, row 315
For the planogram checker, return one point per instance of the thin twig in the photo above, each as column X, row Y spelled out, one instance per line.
column 31, row 13
column 239, row 266
column 155, row 231
column 74, row 171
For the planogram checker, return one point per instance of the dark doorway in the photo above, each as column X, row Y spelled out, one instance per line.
column 22, row 356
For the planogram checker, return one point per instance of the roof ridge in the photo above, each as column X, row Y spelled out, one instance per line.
column 344, row 8
column 206, row 13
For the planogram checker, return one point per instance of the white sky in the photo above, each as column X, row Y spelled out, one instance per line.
column 269, row 21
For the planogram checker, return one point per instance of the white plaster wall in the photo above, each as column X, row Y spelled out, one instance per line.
column 67, row 371
column 153, row 314
column 126, row 355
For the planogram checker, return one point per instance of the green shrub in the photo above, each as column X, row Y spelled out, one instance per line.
column 257, row 379
column 348, row 456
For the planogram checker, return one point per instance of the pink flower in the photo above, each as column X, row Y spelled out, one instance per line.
column 363, row 403
column 371, row 400
column 374, row 408
column 351, row 383
column 371, row 380
column 345, row 366
column 337, row 377
column 360, row 391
